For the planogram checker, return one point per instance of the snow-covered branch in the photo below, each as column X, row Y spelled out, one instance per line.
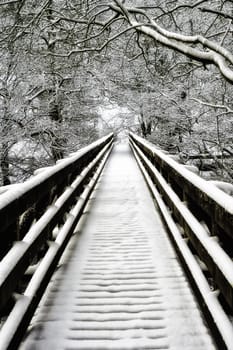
column 216, row 12
column 9, row 2
column 94, row 48
column 228, row 109
column 189, row 45
column 184, row 6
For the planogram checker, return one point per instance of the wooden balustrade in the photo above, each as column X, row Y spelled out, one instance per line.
column 30, row 211
column 203, row 211
column 24, row 203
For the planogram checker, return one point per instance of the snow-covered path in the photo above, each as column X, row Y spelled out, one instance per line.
column 119, row 284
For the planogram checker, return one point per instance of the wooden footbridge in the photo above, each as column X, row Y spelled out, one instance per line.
column 116, row 247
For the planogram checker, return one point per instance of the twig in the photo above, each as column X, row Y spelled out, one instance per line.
column 228, row 109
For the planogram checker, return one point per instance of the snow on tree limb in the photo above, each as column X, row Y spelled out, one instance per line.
column 212, row 52
column 179, row 7
column 208, row 104
column 9, row 2
column 219, row 13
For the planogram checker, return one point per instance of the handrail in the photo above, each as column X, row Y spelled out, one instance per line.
column 34, row 195
column 216, row 206
column 185, row 200
column 68, row 186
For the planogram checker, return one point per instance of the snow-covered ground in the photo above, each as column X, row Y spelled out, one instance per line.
column 119, row 284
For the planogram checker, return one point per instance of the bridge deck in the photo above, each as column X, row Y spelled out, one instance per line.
column 119, row 285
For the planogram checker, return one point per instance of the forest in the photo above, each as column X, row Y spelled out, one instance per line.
column 73, row 70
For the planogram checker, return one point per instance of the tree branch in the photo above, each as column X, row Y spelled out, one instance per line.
column 227, row 31
column 179, row 7
column 9, row 2
column 93, row 49
column 216, row 12
column 216, row 54
column 228, row 109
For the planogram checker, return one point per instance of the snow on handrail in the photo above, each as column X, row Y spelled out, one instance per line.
column 192, row 239
column 64, row 214
column 43, row 217
column 215, row 256
column 17, row 190
column 211, row 200
column 22, row 253
column 210, row 189
column 20, row 197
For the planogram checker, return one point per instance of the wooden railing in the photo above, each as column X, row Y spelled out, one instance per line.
column 199, row 218
column 37, row 219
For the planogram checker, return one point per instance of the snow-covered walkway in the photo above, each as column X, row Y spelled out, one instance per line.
column 119, row 284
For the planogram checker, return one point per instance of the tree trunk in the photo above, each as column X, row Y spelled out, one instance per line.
column 5, row 165
column 54, row 112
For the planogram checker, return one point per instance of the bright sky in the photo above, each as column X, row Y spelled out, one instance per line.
column 113, row 116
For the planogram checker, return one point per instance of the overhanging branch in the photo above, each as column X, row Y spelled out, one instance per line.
column 215, row 53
